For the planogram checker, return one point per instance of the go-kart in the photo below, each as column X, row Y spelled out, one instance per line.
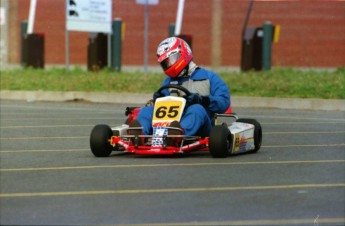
column 230, row 134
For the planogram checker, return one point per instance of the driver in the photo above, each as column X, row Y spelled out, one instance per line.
column 209, row 93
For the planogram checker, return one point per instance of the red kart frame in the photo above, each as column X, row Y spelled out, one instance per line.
column 198, row 144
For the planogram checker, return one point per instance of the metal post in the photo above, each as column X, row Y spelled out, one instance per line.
column 32, row 13
column 67, row 50
column 244, row 65
column 267, row 46
column 109, row 35
column 179, row 16
column 247, row 17
column 146, row 45
column 116, row 44
column 66, row 43
column 24, row 28
column 216, row 37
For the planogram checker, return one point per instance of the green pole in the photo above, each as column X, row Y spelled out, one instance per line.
column 23, row 29
column 171, row 30
column 116, row 45
column 267, row 46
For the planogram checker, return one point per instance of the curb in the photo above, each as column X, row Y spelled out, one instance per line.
column 141, row 99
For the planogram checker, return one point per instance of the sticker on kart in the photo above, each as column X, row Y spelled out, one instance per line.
column 244, row 141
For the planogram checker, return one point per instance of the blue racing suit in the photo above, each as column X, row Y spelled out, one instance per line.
column 197, row 118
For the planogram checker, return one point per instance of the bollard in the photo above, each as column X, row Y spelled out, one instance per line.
column 23, row 29
column 171, row 30
column 116, row 44
column 267, row 46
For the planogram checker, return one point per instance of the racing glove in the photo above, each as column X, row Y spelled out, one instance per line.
column 195, row 98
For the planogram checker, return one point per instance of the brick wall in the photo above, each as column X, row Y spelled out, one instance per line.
column 312, row 32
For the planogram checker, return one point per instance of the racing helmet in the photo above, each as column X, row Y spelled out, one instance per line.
column 174, row 54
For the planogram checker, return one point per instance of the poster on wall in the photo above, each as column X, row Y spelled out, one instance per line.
column 89, row 15
column 2, row 16
column 149, row 2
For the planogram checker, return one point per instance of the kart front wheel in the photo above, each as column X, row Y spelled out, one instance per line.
column 220, row 142
column 99, row 140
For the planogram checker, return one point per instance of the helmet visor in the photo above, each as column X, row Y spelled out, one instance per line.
column 170, row 61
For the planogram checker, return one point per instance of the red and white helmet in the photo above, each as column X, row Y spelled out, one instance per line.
column 174, row 54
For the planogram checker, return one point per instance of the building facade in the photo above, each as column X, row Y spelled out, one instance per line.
column 312, row 33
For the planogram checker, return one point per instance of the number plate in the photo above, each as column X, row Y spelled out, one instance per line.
column 168, row 109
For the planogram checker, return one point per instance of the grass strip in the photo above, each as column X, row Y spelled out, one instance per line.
column 278, row 82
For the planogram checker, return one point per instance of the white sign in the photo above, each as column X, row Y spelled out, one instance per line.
column 149, row 2
column 89, row 15
column 2, row 16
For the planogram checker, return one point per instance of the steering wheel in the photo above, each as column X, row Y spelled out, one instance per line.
column 181, row 88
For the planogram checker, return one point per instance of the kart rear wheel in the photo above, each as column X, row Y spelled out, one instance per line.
column 257, row 132
column 220, row 142
column 99, row 140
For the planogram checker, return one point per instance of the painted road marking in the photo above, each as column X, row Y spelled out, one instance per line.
column 70, row 118
column 169, row 165
column 311, row 221
column 302, row 145
column 295, row 117
column 44, row 126
column 39, row 138
column 170, row 190
column 298, row 123
column 265, row 133
column 78, row 137
column 264, row 146
column 52, row 150
column 306, row 132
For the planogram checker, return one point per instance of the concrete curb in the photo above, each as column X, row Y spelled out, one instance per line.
column 140, row 99
column 98, row 97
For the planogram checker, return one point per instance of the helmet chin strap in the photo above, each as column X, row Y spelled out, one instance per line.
column 188, row 70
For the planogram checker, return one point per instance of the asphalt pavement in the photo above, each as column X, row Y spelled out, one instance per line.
column 48, row 175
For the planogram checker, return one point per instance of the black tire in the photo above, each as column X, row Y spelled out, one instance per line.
column 220, row 142
column 99, row 140
column 257, row 132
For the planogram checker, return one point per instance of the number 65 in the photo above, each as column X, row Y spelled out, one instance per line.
column 170, row 112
